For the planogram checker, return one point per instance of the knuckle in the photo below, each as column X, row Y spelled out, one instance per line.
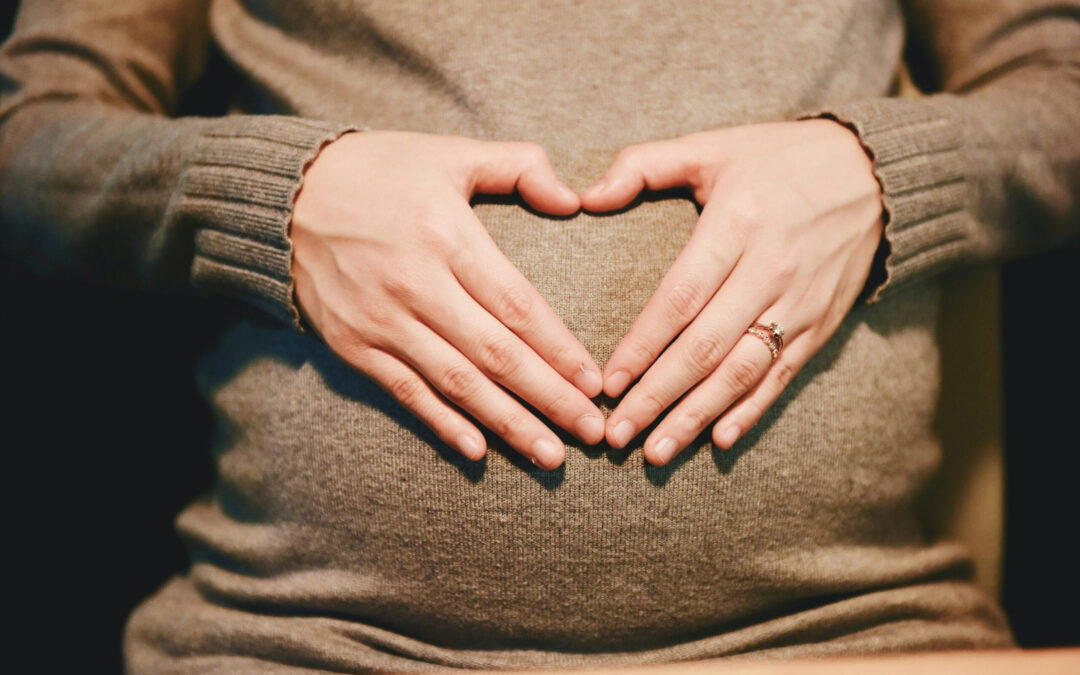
column 555, row 406
column 720, row 256
column 783, row 269
column 832, row 313
column 534, row 153
column 390, row 333
column 358, row 355
column 559, row 356
column 349, row 335
column 694, row 419
column 696, row 165
column 460, row 383
column 405, row 284
column 499, row 357
column 652, row 403
column 784, row 373
column 340, row 334
column 407, row 390
column 705, row 350
column 742, row 373
column 684, row 301
column 513, row 305
column 438, row 417
column 509, row 425
column 744, row 417
column 746, row 210
column 379, row 314
column 642, row 352
column 628, row 156
column 432, row 231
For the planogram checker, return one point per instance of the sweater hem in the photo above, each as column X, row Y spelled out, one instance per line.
column 918, row 163
column 239, row 187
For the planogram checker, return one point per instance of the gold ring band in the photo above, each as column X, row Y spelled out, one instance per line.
column 772, row 335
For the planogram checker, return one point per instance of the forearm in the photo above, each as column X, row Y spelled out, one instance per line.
column 99, row 180
column 141, row 199
column 989, row 165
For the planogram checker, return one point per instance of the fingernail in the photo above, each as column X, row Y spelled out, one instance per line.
column 730, row 435
column 588, row 381
column 590, row 428
column 664, row 450
column 468, row 446
column 547, row 454
column 617, row 382
column 600, row 186
column 622, row 433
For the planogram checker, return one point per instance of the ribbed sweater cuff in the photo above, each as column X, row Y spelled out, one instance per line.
column 914, row 144
column 238, row 188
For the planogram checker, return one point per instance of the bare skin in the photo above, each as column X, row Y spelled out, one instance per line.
column 397, row 275
column 791, row 219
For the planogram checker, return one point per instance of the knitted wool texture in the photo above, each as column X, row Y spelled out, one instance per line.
column 342, row 535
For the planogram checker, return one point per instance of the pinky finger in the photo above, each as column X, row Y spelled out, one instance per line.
column 748, row 410
column 415, row 393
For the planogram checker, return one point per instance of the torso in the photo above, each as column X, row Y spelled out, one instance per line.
column 334, row 503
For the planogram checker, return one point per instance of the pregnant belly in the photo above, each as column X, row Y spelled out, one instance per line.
column 333, row 500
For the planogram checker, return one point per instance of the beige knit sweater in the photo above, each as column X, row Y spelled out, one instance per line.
column 341, row 535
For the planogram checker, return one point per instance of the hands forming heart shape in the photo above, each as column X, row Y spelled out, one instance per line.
column 395, row 272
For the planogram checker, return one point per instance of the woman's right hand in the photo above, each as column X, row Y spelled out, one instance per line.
column 402, row 281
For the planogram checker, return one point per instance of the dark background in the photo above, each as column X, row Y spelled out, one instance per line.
column 107, row 439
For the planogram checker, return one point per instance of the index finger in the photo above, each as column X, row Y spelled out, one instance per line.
column 494, row 282
column 699, row 270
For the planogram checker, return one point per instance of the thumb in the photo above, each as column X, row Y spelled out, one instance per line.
column 655, row 166
column 501, row 168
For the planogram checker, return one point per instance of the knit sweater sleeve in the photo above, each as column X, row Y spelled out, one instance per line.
column 987, row 165
column 99, row 179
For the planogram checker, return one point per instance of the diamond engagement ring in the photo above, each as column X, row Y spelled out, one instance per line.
column 772, row 335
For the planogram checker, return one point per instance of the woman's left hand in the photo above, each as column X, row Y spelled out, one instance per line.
column 791, row 219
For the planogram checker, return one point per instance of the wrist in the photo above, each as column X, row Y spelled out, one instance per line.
column 916, row 148
column 862, row 156
column 237, row 190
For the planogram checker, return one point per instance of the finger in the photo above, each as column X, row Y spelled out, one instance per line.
column 695, row 354
column 739, row 419
column 740, row 370
column 656, row 166
column 413, row 392
column 500, row 288
column 702, row 266
column 459, row 380
column 505, row 358
column 501, row 168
